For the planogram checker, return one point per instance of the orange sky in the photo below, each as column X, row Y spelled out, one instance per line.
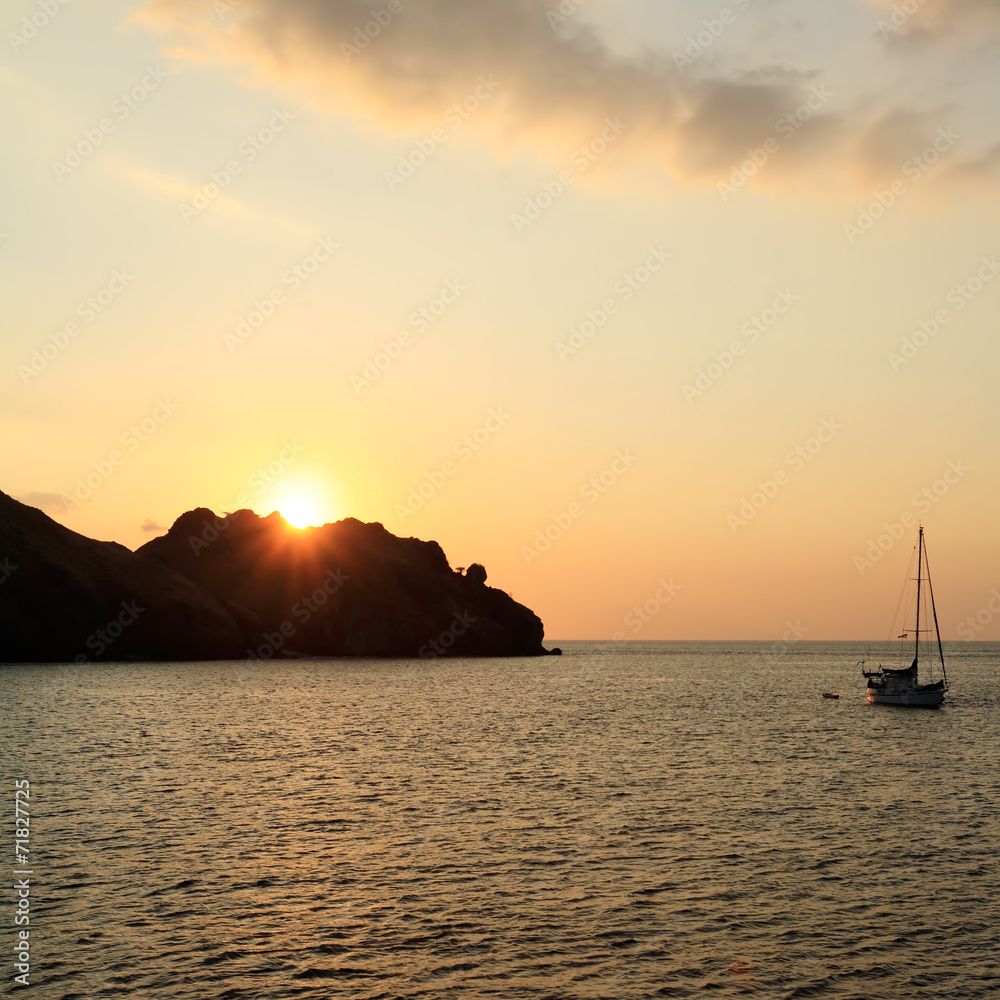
column 689, row 310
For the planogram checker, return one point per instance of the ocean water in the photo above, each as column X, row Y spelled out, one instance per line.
column 629, row 820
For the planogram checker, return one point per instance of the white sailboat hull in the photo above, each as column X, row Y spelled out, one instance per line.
column 915, row 699
column 901, row 686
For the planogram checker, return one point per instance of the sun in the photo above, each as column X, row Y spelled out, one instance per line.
column 300, row 512
column 299, row 507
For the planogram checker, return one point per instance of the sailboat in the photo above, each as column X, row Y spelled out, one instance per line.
column 902, row 687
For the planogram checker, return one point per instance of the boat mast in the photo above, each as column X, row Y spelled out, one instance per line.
column 920, row 566
column 937, row 631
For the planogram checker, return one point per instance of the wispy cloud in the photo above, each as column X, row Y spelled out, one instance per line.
column 46, row 501
column 181, row 190
column 163, row 184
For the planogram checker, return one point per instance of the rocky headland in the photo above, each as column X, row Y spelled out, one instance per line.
column 243, row 586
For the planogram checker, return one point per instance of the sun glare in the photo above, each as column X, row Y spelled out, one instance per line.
column 300, row 512
column 299, row 508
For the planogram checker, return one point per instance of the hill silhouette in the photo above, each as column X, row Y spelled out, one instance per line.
column 243, row 586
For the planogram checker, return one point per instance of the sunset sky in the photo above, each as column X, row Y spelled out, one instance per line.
column 636, row 302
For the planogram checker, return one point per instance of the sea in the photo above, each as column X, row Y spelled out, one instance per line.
column 628, row 820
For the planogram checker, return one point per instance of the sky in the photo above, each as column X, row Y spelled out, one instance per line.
column 677, row 316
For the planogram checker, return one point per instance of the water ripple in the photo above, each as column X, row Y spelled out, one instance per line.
column 629, row 821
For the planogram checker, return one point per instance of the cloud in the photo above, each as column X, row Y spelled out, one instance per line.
column 891, row 139
column 150, row 526
column 47, row 501
column 400, row 73
column 971, row 172
column 552, row 86
column 164, row 184
column 182, row 191
column 729, row 117
column 932, row 20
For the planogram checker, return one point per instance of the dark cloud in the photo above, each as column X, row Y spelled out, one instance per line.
column 430, row 55
column 558, row 84
column 150, row 526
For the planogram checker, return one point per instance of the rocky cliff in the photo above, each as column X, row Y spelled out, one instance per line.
column 344, row 589
column 244, row 586
column 66, row 598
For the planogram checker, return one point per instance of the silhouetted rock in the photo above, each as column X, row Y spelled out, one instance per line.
column 66, row 598
column 344, row 589
column 242, row 585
